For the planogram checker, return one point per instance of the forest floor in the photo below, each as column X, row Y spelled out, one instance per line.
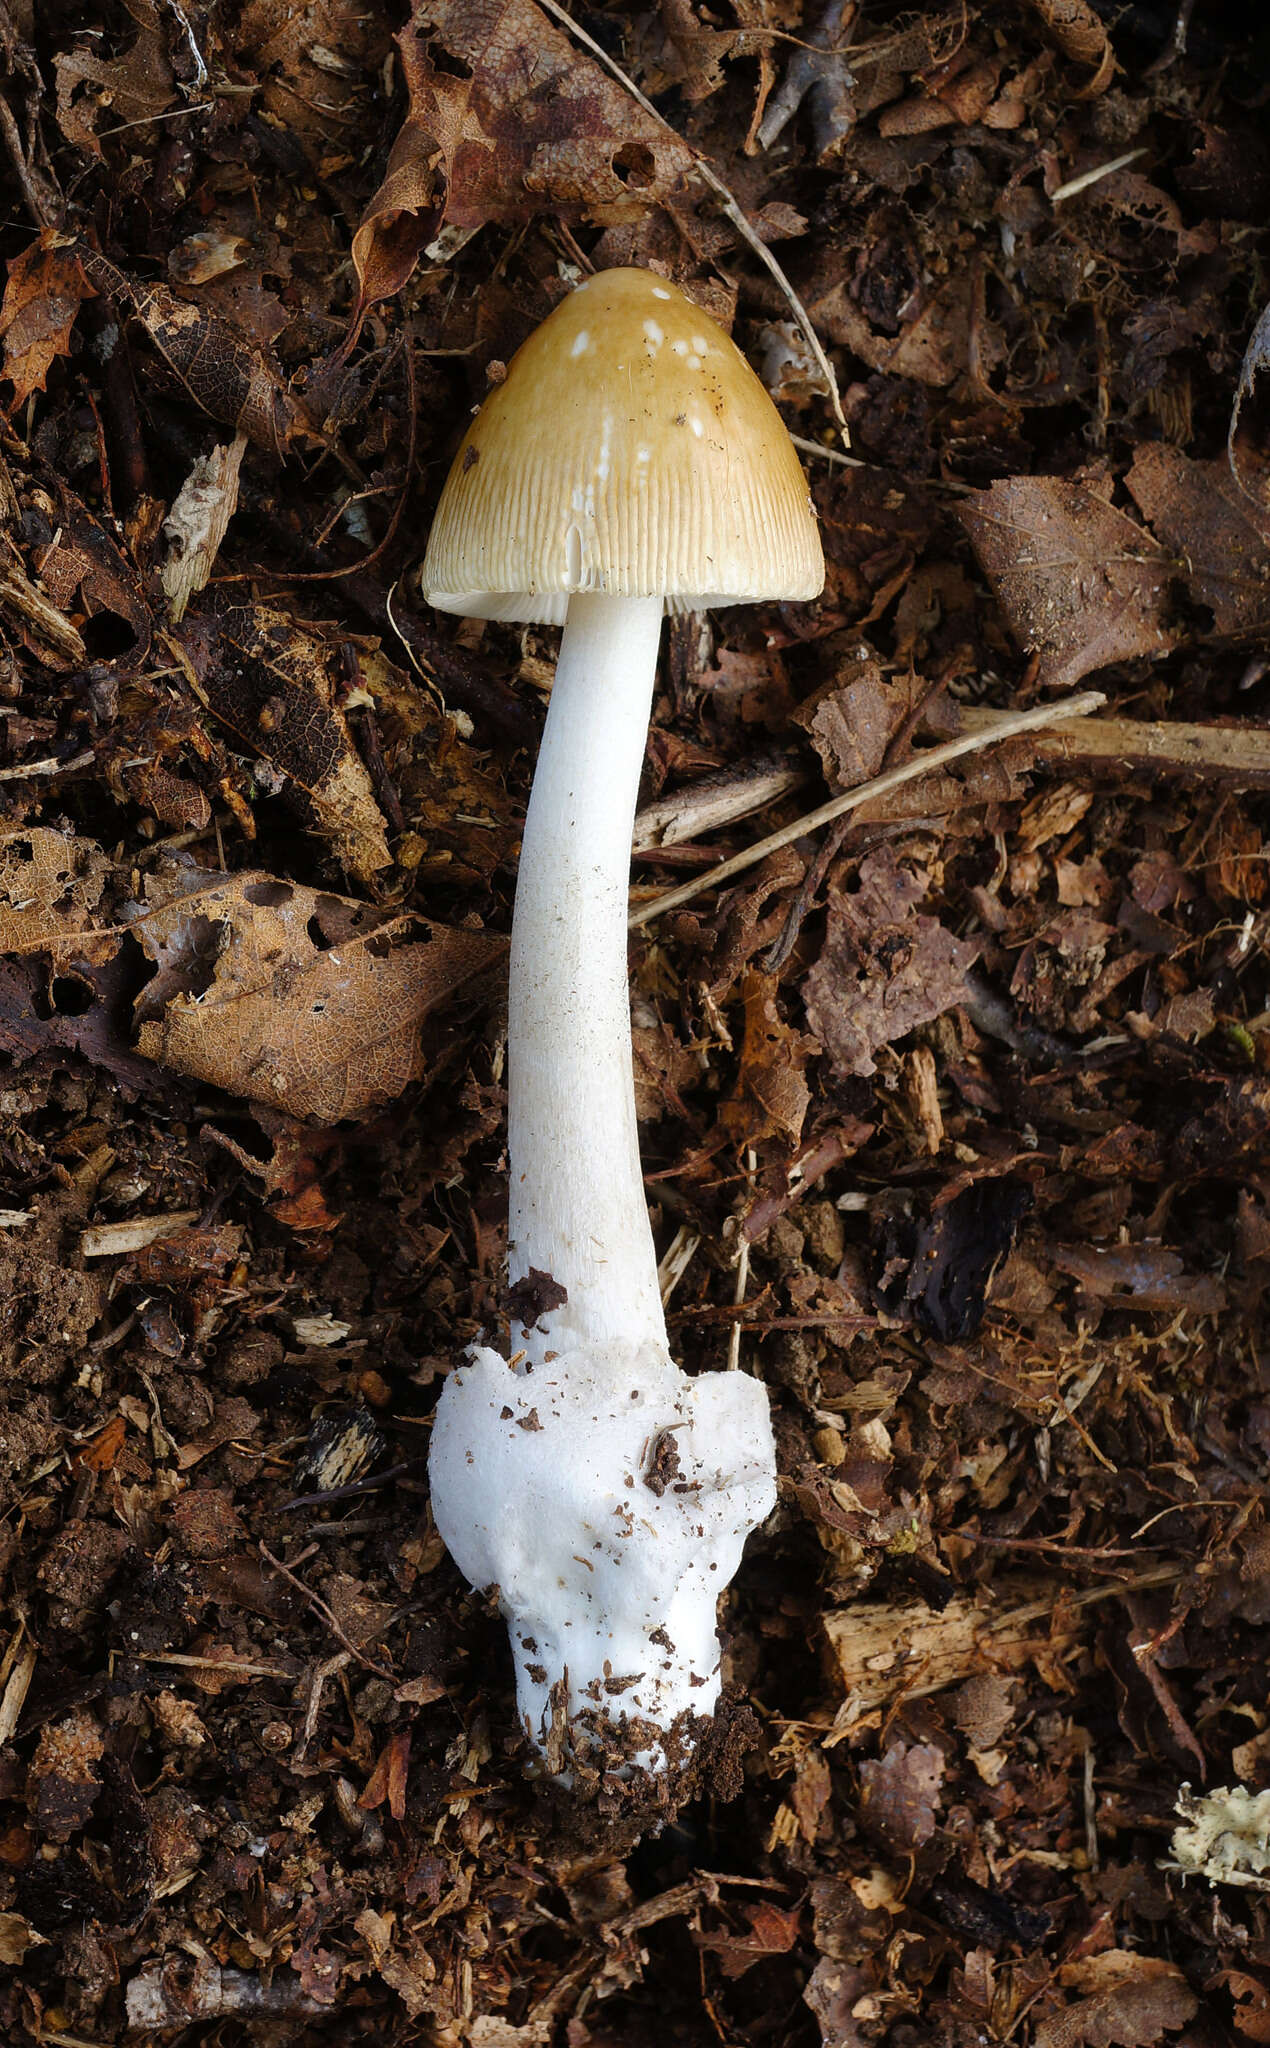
column 956, row 1111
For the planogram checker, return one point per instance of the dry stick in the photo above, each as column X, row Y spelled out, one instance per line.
column 319, row 1606
column 728, row 203
column 921, row 764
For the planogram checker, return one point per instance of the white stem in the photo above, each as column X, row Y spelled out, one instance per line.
column 603, row 1492
column 577, row 1207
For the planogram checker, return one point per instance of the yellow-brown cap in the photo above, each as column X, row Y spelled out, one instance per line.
column 630, row 450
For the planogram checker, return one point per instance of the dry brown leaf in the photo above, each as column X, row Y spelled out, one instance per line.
column 128, row 90
column 1126, row 2001
column 227, row 377
column 535, row 124
column 899, row 1794
column 932, row 346
column 884, row 967
column 83, row 573
column 272, row 684
column 852, row 727
column 771, row 1084
column 1077, row 31
column 1082, row 584
column 773, row 1931
column 50, row 889
column 1219, row 532
column 45, row 291
column 406, row 211
column 308, row 1002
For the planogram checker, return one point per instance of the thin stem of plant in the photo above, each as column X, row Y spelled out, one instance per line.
column 881, row 785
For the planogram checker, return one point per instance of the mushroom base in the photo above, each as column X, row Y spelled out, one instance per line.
column 607, row 1496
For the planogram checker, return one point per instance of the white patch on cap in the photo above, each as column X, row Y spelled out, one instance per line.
column 680, row 347
column 606, row 444
column 696, row 426
column 643, row 455
column 694, row 362
column 581, row 342
column 653, row 333
column 658, row 292
column 701, row 345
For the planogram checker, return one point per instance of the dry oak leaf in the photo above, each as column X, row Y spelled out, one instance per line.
column 534, row 125
column 884, row 968
column 45, row 291
column 309, row 1002
column 1200, row 510
column 1081, row 583
column 130, row 89
column 1126, row 2001
column 272, row 683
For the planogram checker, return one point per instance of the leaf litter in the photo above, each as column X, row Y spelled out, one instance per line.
column 954, row 1097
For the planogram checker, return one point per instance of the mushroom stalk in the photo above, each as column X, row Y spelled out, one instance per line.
column 577, row 1206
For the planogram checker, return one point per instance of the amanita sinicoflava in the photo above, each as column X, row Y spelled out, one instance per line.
column 630, row 463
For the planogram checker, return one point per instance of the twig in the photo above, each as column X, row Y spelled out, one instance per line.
column 319, row 1606
column 1236, row 756
column 921, row 764
column 729, row 204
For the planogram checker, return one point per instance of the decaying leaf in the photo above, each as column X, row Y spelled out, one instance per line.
column 406, row 210
column 316, row 62
column 45, row 291
column 900, row 1794
column 852, row 726
column 273, row 686
column 772, row 1931
column 129, row 89
column 84, row 572
column 195, row 527
column 1207, row 519
column 50, row 889
column 1124, row 2000
column 534, row 124
column 884, row 967
column 305, row 1001
column 227, row 377
column 1075, row 28
column 771, row 1091
column 1082, row 584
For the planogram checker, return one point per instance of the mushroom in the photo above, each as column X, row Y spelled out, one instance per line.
column 630, row 463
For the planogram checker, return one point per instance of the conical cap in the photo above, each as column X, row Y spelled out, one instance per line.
column 631, row 449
